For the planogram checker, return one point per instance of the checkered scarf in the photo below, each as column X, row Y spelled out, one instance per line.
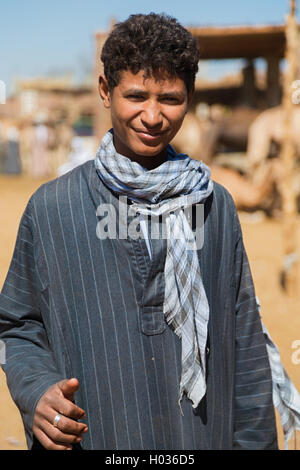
column 286, row 397
column 166, row 190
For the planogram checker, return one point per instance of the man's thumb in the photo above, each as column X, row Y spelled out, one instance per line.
column 69, row 387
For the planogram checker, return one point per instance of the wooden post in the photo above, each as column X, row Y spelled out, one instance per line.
column 273, row 84
column 288, row 153
column 249, row 91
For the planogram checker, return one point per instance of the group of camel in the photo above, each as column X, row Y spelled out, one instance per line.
column 255, row 178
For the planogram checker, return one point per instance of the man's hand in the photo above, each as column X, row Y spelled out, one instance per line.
column 58, row 399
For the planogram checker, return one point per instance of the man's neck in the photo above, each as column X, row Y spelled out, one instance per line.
column 150, row 162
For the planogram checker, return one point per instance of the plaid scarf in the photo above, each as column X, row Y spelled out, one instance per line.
column 286, row 397
column 166, row 190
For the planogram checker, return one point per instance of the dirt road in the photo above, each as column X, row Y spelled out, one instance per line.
column 263, row 241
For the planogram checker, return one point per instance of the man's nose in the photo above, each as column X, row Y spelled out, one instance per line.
column 151, row 115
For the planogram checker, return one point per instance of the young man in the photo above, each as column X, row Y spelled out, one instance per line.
column 137, row 342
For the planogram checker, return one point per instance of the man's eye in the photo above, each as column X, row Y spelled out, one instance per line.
column 135, row 97
column 170, row 99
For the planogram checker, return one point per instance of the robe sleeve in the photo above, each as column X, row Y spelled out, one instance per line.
column 28, row 362
column 254, row 413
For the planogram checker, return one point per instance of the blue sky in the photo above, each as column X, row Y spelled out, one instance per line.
column 51, row 37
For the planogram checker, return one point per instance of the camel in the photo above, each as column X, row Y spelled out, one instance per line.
column 266, row 129
column 200, row 135
column 198, row 138
column 246, row 194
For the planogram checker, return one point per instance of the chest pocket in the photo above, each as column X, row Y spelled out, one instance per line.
column 152, row 320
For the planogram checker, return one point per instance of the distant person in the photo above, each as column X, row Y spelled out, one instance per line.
column 1, row 146
column 120, row 341
column 39, row 158
column 79, row 154
column 11, row 152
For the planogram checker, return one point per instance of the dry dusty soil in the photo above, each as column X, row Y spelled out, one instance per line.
column 264, row 243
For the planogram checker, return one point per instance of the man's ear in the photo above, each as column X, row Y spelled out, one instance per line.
column 104, row 91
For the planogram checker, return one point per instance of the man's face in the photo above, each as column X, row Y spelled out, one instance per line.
column 146, row 113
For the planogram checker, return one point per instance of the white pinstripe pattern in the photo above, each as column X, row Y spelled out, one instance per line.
column 143, row 354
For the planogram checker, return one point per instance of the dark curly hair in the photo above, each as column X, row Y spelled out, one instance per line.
column 154, row 43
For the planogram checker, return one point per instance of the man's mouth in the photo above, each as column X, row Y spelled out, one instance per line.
column 149, row 135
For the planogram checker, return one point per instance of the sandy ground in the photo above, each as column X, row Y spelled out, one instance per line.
column 264, row 243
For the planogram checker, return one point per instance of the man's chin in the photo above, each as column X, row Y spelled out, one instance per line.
column 150, row 150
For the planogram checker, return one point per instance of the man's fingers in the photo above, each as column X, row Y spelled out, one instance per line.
column 58, row 400
column 58, row 436
column 65, row 433
column 69, row 387
column 60, row 397
column 69, row 426
column 69, row 409
column 48, row 443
